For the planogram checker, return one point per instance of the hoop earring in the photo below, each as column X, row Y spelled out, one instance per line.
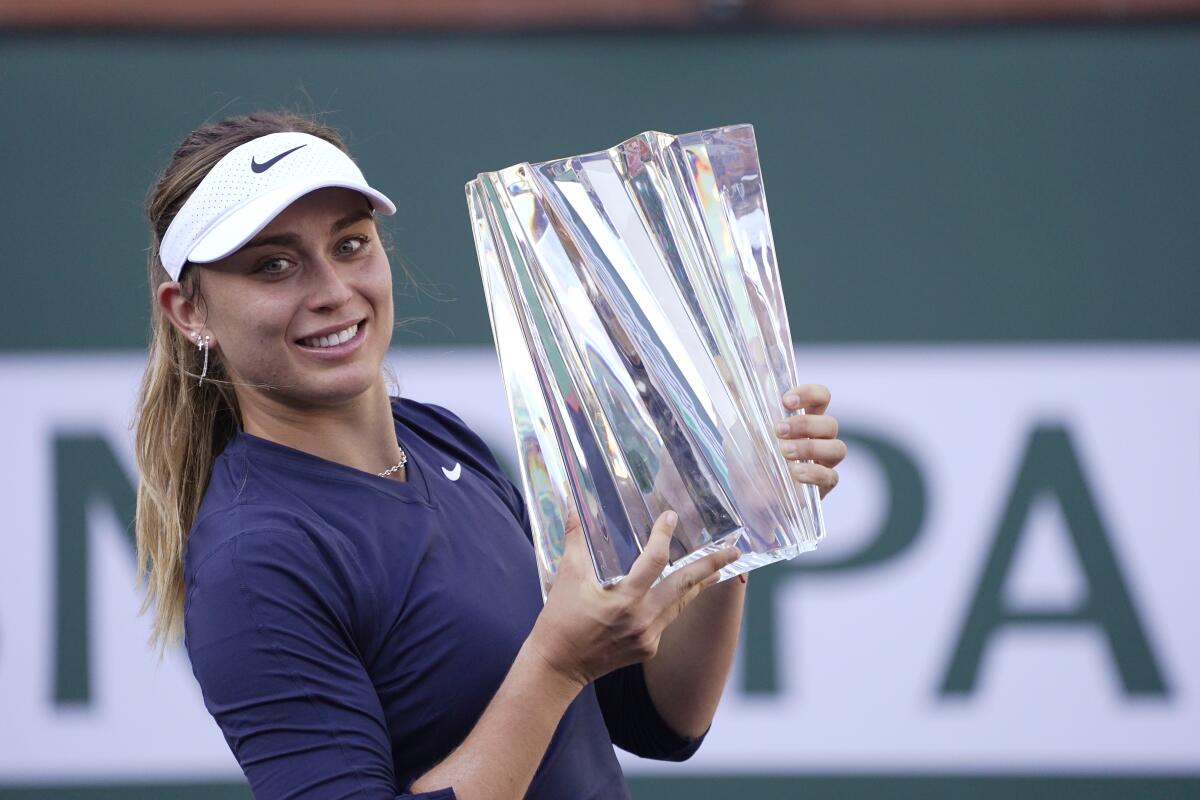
column 202, row 344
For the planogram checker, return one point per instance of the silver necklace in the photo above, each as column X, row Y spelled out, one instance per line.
column 403, row 460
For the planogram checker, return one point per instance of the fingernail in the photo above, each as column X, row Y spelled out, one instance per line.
column 742, row 577
column 791, row 449
column 791, row 401
column 782, row 428
column 670, row 517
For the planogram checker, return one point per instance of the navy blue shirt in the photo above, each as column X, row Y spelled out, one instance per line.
column 347, row 630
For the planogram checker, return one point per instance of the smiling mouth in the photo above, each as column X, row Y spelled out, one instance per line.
column 333, row 339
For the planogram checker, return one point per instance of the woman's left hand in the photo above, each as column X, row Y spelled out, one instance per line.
column 811, row 436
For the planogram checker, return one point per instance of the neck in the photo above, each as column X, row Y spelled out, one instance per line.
column 359, row 433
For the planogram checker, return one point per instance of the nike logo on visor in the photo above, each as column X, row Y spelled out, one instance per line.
column 266, row 165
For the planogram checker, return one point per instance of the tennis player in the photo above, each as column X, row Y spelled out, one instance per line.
column 351, row 572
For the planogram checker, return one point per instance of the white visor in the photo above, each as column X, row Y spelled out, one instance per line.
column 248, row 188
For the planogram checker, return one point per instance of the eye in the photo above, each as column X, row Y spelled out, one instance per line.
column 352, row 245
column 275, row 265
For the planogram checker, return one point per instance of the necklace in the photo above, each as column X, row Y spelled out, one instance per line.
column 403, row 460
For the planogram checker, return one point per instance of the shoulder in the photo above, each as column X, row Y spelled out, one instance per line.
column 270, row 574
column 241, row 528
column 247, row 493
column 248, row 507
column 432, row 418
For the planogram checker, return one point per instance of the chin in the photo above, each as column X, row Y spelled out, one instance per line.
column 351, row 384
column 338, row 392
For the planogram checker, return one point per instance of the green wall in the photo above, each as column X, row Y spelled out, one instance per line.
column 986, row 185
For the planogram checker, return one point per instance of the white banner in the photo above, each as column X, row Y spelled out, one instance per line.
column 1008, row 583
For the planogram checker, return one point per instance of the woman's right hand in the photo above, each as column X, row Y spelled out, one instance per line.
column 586, row 630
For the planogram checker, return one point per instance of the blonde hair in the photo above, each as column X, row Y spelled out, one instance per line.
column 180, row 427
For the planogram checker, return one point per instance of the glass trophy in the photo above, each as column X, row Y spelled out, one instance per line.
column 636, row 306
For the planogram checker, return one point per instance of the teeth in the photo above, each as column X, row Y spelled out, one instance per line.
column 331, row 339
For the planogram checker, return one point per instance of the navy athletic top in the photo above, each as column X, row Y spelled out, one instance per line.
column 347, row 630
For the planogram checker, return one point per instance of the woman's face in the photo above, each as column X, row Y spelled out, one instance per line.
column 317, row 269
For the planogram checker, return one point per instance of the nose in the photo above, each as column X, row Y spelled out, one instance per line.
column 329, row 288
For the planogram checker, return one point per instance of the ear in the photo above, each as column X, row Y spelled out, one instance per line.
column 184, row 314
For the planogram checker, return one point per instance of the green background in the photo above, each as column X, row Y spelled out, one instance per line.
column 959, row 185
column 981, row 185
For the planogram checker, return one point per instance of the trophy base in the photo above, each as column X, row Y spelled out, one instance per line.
column 748, row 560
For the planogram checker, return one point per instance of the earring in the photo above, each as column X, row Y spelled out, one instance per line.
column 202, row 344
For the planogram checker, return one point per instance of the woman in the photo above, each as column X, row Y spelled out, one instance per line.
column 360, row 621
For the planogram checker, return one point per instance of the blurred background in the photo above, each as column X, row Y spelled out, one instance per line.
column 986, row 215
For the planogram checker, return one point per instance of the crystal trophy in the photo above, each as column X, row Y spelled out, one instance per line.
column 636, row 306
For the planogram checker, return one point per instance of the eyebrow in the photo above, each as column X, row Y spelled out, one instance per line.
column 293, row 239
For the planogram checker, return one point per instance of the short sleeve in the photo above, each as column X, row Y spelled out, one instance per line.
column 634, row 724
column 267, row 629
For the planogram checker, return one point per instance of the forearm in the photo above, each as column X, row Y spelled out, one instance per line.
column 687, row 675
column 500, row 755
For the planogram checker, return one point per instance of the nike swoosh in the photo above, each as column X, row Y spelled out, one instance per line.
column 266, row 165
column 453, row 474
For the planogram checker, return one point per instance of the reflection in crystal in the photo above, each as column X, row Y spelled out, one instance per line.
column 639, row 321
